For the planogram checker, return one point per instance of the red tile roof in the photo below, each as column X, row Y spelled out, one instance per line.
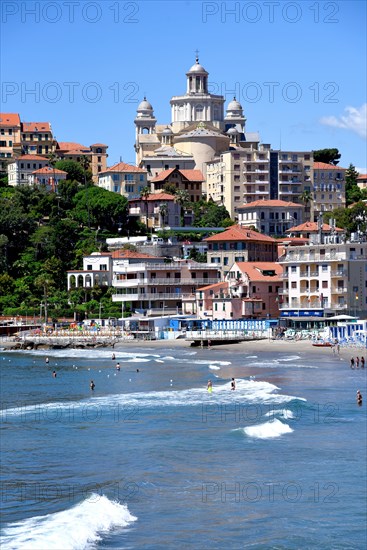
column 254, row 270
column 32, row 157
column 312, row 227
column 99, row 145
column 190, row 175
column 70, row 146
column 270, row 203
column 238, row 233
column 36, row 127
column 362, row 177
column 77, row 152
column 221, row 284
column 325, row 166
column 48, row 170
column 123, row 167
column 155, row 197
column 9, row 119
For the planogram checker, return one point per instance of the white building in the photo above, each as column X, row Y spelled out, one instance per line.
column 124, row 179
column 20, row 171
column 272, row 217
column 328, row 188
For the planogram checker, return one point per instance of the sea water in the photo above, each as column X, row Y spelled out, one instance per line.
column 150, row 459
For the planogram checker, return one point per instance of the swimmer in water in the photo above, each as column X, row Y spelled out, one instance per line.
column 47, row 360
column 92, row 385
column 210, row 386
column 113, row 357
column 233, row 384
column 118, row 366
column 359, row 398
column 54, row 374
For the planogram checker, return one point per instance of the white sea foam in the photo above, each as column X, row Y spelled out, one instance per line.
column 268, row 430
column 91, row 353
column 283, row 413
column 214, row 367
column 76, row 528
column 289, row 358
column 247, row 392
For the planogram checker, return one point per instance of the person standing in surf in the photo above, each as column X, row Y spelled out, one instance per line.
column 233, row 384
column 210, row 386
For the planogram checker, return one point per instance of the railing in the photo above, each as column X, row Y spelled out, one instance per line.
column 155, row 282
column 146, row 296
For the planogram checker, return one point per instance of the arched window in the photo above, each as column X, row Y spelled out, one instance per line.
column 181, row 112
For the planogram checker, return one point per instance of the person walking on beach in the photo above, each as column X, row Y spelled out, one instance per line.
column 209, row 343
column 352, row 363
column 92, row 385
column 233, row 384
column 362, row 362
column 357, row 362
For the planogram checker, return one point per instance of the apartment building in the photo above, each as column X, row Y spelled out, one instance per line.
column 328, row 191
column 159, row 287
column 9, row 134
column 124, row 179
column 94, row 156
column 362, row 181
column 324, row 279
column 48, row 176
column 36, row 139
column 272, row 217
column 238, row 244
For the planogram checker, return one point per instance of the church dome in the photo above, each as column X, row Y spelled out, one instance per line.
column 234, row 105
column 197, row 68
column 232, row 132
column 167, row 131
column 145, row 105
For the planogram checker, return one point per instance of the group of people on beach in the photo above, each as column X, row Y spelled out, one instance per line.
column 354, row 363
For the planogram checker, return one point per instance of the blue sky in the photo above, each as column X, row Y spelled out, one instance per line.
column 298, row 68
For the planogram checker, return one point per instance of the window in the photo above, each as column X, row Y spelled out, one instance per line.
column 324, row 268
column 89, row 267
column 325, row 284
column 103, row 267
column 254, row 289
column 270, row 289
column 294, row 284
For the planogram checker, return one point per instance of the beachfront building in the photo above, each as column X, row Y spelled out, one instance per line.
column 124, row 179
column 238, row 244
column 362, row 181
column 156, row 211
column 272, row 217
column 316, row 230
column 324, row 279
column 160, row 288
column 20, row 170
column 328, row 192
column 147, row 283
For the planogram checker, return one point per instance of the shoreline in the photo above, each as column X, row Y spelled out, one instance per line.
column 257, row 346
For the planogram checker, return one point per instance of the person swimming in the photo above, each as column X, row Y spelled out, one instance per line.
column 359, row 398
column 233, row 384
column 92, row 385
column 118, row 366
column 54, row 374
column 113, row 357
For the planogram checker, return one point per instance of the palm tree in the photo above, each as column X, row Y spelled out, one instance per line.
column 306, row 198
column 163, row 210
column 144, row 194
column 182, row 198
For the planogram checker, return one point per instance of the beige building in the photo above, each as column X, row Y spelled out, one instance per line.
column 237, row 244
column 94, row 156
column 124, row 179
column 362, row 181
column 328, row 188
column 329, row 277
column 36, row 139
column 157, row 210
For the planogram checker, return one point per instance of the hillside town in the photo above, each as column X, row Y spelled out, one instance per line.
column 273, row 257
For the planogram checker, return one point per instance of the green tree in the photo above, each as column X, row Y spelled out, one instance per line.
column 106, row 209
column 352, row 191
column 182, row 198
column 144, row 195
column 74, row 170
column 329, row 156
column 163, row 211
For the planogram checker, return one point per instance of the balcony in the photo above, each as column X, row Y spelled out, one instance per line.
column 283, row 291
column 339, row 290
column 131, row 283
column 146, row 296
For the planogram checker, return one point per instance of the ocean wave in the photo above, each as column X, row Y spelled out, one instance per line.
column 214, row 367
column 283, row 413
column 94, row 408
column 267, row 430
column 76, row 528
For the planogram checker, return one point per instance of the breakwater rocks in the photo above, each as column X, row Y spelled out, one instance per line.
column 62, row 342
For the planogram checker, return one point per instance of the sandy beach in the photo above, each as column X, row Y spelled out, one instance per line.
column 252, row 346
